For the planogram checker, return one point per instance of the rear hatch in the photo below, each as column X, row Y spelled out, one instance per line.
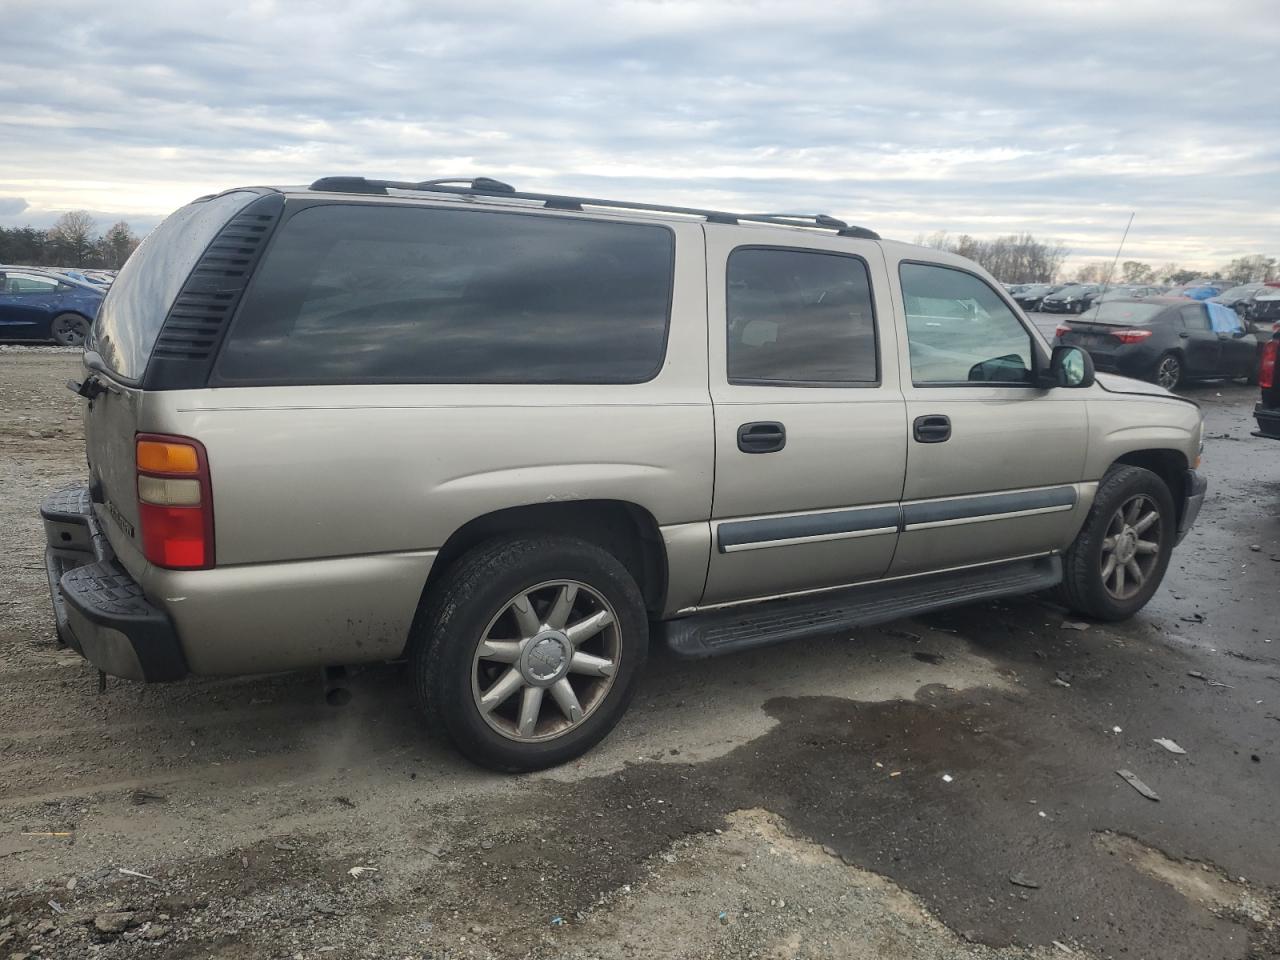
column 121, row 347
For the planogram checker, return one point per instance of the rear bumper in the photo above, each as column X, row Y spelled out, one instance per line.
column 1193, row 500
column 100, row 611
column 1268, row 422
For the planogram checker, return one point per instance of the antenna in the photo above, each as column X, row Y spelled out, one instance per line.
column 1107, row 282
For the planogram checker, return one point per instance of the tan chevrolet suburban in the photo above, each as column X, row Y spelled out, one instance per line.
column 515, row 437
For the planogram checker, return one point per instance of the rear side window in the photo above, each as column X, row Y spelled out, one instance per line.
column 1194, row 317
column 130, row 318
column 379, row 294
column 799, row 317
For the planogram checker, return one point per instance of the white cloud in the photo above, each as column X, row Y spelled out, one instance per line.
column 910, row 117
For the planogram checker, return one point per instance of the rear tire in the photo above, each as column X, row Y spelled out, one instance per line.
column 1119, row 532
column 1168, row 372
column 498, row 632
column 69, row 330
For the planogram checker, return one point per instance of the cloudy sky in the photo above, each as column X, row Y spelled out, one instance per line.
column 978, row 116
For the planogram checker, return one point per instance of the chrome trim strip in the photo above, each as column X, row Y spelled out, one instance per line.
column 988, row 516
column 816, row 538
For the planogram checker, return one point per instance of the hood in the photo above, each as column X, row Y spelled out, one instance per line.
column 1113, row 383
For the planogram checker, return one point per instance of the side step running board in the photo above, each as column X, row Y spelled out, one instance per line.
column 775, row 621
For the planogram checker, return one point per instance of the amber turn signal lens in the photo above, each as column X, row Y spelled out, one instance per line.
column 155, row 456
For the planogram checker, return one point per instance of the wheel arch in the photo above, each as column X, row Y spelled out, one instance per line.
column 625, row 529
column 1169, row 465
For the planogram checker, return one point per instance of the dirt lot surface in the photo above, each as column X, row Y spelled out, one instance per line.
column 937, row 788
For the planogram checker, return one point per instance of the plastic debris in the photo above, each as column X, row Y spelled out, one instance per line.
column 135, row 873
column 361, row 871
column 946, row 778
column 557, row 921
column 896, row 773
column 1059, row 682
column 1138, row 785
column 56, row 907
column 1018, row 880
column 1169, row 745
column 1116, row 730
column 1196, row 674
column 1074, row 625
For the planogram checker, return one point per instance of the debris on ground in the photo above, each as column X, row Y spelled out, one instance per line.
column 134, row 873
column 1193, row 618
column 1059, row 682
column 1169, row 745
column 139, row 797
column 1018, row 880
column 1138, row 785
column 361, row 871
column 1196, row 674
column 1074, row 625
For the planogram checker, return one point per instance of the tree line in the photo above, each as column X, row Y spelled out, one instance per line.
column 73, row 241
column 1021, row 258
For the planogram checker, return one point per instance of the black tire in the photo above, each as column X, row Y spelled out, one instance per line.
column 69, row 329
column 1168, row 363
column 1082, row 588
column 460, row 607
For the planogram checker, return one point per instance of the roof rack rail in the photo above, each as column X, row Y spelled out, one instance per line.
column 486, row 186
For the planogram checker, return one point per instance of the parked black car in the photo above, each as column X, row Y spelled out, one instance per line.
column 1073, row 298
column 1032, row 295
column 1238, row 298
column 1264, row 306
column 1166, row 340
column 1267, row 412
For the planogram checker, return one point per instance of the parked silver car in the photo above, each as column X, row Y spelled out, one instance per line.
column 514, row 437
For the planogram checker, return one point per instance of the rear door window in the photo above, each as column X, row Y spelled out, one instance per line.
column 799, row 317
column 1195, row 317
column 368, row 293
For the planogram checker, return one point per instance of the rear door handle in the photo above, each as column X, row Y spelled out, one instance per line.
column 763, row 436
column 934, row 428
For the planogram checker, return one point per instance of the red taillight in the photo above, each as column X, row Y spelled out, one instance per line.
column 1267, row 368
column 1131, row 336
column 175, row 501
column 1061, row 330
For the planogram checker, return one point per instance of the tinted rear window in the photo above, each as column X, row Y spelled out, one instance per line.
column 138, row 301
column 1119, row 312
column 373, row 294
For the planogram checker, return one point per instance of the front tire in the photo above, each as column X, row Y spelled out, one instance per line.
column 1120, row 556
column 528, row 650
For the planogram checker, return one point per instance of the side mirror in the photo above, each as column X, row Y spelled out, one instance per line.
column 1069, row 367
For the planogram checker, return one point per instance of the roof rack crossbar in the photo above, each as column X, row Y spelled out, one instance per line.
column 485, row 186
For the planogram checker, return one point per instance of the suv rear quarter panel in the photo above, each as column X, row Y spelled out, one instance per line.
column 331, row 501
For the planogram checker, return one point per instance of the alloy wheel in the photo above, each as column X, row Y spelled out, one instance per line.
column 1169, row 372
column 546, row 661
column 1131, row 548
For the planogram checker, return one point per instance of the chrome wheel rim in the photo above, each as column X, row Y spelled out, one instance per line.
column 1131, row 547
column 1167, row 373
column 546, row 661
column 70, row 333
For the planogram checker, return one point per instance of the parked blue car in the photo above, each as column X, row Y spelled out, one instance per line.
column 40, row 306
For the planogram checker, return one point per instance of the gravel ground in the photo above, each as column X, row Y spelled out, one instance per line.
column 923, row 790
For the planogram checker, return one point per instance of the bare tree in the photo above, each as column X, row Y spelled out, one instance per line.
column 1016, row 258
column 1250, row 269
column 1092, row 273
column 72, row 236
column 116, row 245
column 1134, row 271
